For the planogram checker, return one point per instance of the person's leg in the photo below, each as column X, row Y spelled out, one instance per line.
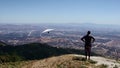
column 89, row 52
column 86, row 55
column 85, row 52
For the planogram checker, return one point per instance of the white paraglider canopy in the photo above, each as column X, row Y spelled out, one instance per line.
column 47, row 30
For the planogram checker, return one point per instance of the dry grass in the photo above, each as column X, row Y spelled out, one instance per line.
column 18, row 64
column 64, row 61
column 102, row 66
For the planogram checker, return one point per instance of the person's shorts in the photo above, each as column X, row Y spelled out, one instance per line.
column 87, row 48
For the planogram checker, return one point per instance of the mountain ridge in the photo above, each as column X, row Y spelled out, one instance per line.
column 37, row 55
column 33, row 51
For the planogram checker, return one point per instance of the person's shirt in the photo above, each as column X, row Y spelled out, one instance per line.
column 88, row 39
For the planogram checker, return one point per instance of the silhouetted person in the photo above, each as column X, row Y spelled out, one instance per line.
column 88, row 43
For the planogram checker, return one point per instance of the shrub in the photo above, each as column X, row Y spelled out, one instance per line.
column 92, row 62
column 79, row 58
column 103, row 66
column 115, row 66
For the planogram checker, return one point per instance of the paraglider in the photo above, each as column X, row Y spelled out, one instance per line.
column 47, row 30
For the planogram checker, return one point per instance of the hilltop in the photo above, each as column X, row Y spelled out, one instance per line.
column 73, row 61
column 65, row 61
column 37, row 55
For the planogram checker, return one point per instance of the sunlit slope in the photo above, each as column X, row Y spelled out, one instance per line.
column 73, row 61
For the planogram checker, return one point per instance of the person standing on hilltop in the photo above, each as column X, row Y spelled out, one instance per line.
column 88, row 40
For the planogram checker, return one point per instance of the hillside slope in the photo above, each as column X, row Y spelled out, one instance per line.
column 73, row 61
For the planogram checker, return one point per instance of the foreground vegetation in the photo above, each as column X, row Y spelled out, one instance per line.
column 64, row 61
column 17, row 64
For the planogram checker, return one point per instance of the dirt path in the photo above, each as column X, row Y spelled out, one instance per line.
column 101, row 60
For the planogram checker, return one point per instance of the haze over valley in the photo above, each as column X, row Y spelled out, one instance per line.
column 66, row 35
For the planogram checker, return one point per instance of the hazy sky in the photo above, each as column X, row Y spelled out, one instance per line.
column 60, row 11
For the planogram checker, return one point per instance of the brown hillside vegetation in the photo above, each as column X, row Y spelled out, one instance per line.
column 65, row 61
column 68, row 61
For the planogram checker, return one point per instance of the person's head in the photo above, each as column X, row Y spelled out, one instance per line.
column 88, row 32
